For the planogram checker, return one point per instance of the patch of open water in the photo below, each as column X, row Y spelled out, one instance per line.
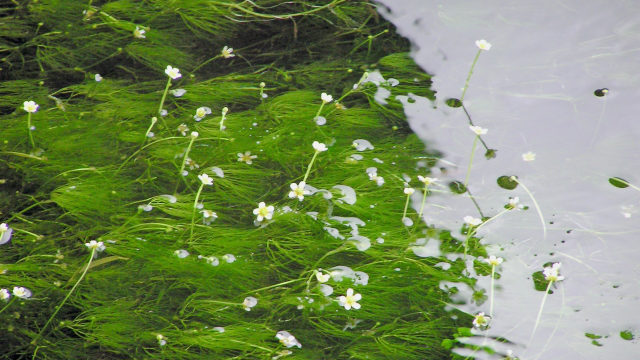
column 534, row 91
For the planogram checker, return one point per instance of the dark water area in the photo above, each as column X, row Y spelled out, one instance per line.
column 534, row 92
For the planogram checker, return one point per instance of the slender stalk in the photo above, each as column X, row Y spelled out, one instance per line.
column 493, row 271
column 184, row 162
column 406, row 206
column 473, row 152
column 535, row 203
column 93, row 252
column 164, row 96
column 306, row 175
column 319, row 110
column 8, row 304
column 544, row 298
column 193, row 214
column 33, row 144
column 466, row 83
column 424, row 200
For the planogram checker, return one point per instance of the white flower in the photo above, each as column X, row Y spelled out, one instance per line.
column 409, row 191
column 514, row 202
column 326, row 98
column 426, row 180
column 138, row 33
column 21, row 292
column 246, row 157
column 552, row 273
column 162, row 341
column 30, row 106
column 211, row 260
column 373, row 176
column 298, row 191
column 98, row 77
column 5, row 233
column 182, row 129
column 98, row 246
column 287, row 339
column 528, row 156
column 478, row 130
column 483, row 44
column 173, row 73
column 249, row 302
column 481, row 321
column 205, row 179
column 181, row 253
column 195, row 134
column 229, row 258
column 201, row 112
column 208, row 216
column 493, row 260
column 471, row 221
column 319, row 147
column 323, row 278
column 263, row 211
column 4, row 294
column 227, row 52
column 177, row 92
column 350, row 300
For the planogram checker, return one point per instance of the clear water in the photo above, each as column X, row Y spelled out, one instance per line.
column 534, row 91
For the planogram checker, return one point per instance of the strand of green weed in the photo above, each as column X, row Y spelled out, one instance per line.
column 8, row 303
column 286, row 16
column 30, row 156
column 466, row 83
column 535, row 203
column 193, row 214
column 472, row 231
column 93, row 252
column 142, row 148
column 544, row 298
column 306, row 175
column 473, row 152
column 205, row 63
column 33, row 144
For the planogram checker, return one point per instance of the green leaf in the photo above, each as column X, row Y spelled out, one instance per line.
column 457, row 187
column 618, row 182
column 626, row 334
column 506, row 182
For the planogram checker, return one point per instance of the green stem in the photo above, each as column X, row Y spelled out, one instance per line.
column 535, row 203
column 164, row 96
column 33, row 144
column 93, row 252
column 466, row 83
column 193, row 214
column 306, row 175
column 8, row 304
column 406, row 206
column 473, row 152
column 493, row 271
column 319, row 110
column 544, row 298
column 424, row 200
column 184, row 162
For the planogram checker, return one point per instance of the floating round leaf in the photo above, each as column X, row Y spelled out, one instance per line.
column 453, row 102
column 618, row 182
column 457, row 187
column 490, row 154
column 506, row 182
column 601, row 92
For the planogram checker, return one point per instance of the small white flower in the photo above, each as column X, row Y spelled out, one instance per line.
column 195, row 134
column 5, row 233
column 298, row 190
column 97, row 245
column 471, row 221
column 181, row 253
column 201, row 112
column 373, row 176
column 483, row 44
column 208, row 216
column 263, row 211
column 182, row 129
column 30, row 106
column 481, row 321
column 162, row 341
column 21, row 292
column 147, row 207
column 98, row 77
column 326, row 98
column 287, row 339
column 426, row 180
column 219, row 329
column 552, row 273
column 322, row 278
column 138, row 33
column 229, row 258
column 409, row 191
column 350, row 300
column 173, row 73
column 246, row 157
column 514, row 203
column 528, row 156
column 205, row 179
column 478, row 130
column 5, row 294
column 493, row 260
column 319, row 147
column 249, row 302
column 178, row 92
column 227, row 52
column 164, row 112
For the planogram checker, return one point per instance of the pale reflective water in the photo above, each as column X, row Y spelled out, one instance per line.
column 534, row 91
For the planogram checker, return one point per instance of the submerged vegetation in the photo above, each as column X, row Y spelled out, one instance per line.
column 203, row 179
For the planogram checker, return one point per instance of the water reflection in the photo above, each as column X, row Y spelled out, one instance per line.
column 535, row 91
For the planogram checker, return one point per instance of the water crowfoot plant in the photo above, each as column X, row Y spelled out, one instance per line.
column 223, row 116
column 408, row 191
column 479, row 132
column 535, row 203
column 482, row 45
column 493, row 261
column 193, row 137
column 30, row 107
column 326, row 98
column 204, row 180
column 426, row 181
column 552, row 275
column 318, row 147
column 173, row 73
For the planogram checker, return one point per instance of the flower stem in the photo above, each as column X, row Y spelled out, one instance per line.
column 164, row 96
column 193, row 214
column 406, row 206
column 493, row 271
column 184, row 162
column 535, row 203
column 466, row 83
column 93, row 252
column 473, row 152
column 424, row 200
column 544, row 298
column 319, row 110
column 33, row 144
column 306, row 175
column 8, row 304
